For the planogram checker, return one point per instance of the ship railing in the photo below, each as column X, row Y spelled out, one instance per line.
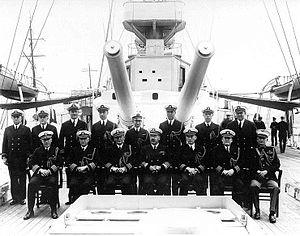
column 141, row 50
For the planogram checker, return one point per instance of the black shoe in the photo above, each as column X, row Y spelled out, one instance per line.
column 28, row 215
column 272, row 218
column 22, row 202
column 257, row 215
column 13, row 202
column 68, row 203
column 54, row 214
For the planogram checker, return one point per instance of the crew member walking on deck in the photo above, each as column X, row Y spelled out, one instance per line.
column 155, row 165
column 43, row 117
column 44, row 163
column 262, row 170
column 82, row 162
column 208, row 136
column 227, row 120
column 283, row 133
column 172, row 136
column 102, row 140
column 67, row 136
column 274, row 128
column 229, row 164
column 119, row 165
column 191, row 162
column 16, row 148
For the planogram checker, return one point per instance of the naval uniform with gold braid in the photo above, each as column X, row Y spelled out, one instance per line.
column 264, row 158
column 49, row 160
column 172, row 136
column 119, row 158
column 81, row 182
column 189, row 158
column 17, row 146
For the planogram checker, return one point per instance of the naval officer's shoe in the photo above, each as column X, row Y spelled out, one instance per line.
column 28, row 215
column 257, row 215
column 272, row 217
column 54, row 214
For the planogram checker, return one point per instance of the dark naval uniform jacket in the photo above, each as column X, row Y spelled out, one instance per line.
column 67, row 135
column 265, row 158
column 208, row 136
column 224, row 160
column 137, row 139
column 188, row 157
column 101, row 137
column 36, row 142
column 43, row 159
column 245, row 137
column 172, row 135
column 119, row 157
column 17, row 145
column 158, row 156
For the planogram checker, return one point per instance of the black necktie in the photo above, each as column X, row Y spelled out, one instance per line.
column 207, row 125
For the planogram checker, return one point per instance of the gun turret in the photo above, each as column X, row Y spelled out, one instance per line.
column 113, row 53
column 190, row 90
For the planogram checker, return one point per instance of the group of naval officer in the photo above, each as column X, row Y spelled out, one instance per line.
column 167, row 159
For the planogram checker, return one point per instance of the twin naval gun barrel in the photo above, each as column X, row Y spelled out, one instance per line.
column 113, row 53
column 191, row 87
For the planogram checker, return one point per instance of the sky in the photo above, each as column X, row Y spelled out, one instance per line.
column 246, row 57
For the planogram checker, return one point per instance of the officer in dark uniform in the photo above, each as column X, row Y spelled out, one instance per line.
column 227, row 120
column 245, row 139
column 16, row 148
column 208, row 136
column 172, row 136
column 119, row 165
column 43, row 117
column 191, row 159
column 274, row 128
column 44, row 163
column 67, row 136
column 137, row 137
column 229, row 167
column 82, row 162
column 155, row 165
column 101, row 139
column 262, row 171
column 283, row 134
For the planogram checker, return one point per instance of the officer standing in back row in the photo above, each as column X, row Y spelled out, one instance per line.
column 16, row 148
column 172, row 136
column 67, row 135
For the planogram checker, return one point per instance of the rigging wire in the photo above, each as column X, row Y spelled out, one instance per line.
column 11, row 46
column 106, row 37
column 277, row 38
column 287, row 6
column 285, row 36
column 53, row 1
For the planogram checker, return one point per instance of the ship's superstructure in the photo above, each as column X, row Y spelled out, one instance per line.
column 154, row 75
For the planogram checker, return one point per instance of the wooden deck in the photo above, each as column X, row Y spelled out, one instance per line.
column 288, row 223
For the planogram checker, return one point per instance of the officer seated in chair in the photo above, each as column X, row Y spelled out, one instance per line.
column 82, row 162
column 44, row 163
column 118, row 163
column 155, row 166
column 265, row 164
column 191, row 164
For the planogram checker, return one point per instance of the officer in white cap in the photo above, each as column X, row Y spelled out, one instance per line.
column 229, row 168
column 82, row 163
column 67, row 136
column 172, row 136
column 43, row 118
column 119, row 165
column 155, row 165
column 263, row 167
column 45, row 162
column 191, row 162
column 16, row 148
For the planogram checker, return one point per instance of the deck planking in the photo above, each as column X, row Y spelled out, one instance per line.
column 288, row 223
